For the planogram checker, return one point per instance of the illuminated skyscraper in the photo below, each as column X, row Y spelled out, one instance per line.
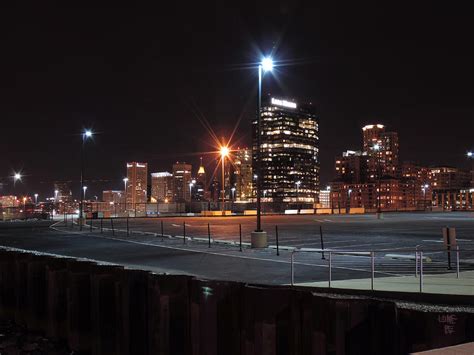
column 243, row 174
column 137, row 174
column 200, row 188
column 289, row 151
column 181, row 180
column 162, row 187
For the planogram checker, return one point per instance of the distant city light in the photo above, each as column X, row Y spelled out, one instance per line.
column 376, row 146
column 470, row 154
column 88, row 133
column 17, row 176
column 267, row 64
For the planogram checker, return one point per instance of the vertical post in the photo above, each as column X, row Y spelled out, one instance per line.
column 416, row 262
column 258, row 155
column 112, row 226
column 292, row 268
column 457, row 261
column 448, row 246
column 330, row 269
column 372, row 269
column 162, row 235
column 240, row 236
column 135, row 213
column 209, row 235
column 90, row 226
column 184, row 232
column 128, row 229
column 101, row 227
column 276, row 235
column 421, row 271
column 322, row 241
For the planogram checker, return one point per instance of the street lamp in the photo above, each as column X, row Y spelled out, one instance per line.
column 36, row 199
column 349, row 192
column 125, row 180
column 17, row 177
column 259, row 237
column 85, row 135
column 56, row 192
column 424, row 188
column 376, row 148
column 84, row 188
column 224, row 152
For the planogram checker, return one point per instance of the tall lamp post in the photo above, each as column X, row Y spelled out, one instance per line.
column 376, row 149
column 298, row 183
column 470, row 155
column 224, row 151
column 85, row 135
column 424, row 188
column 36, row 199
column 259, row 237
column 125, row 180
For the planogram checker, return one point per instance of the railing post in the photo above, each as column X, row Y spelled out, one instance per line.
column 184, row 232
column 372, row 269
column 208, row 235
column 292, row 268
column 322, row 241
column 457, row 261
column 162, row 235
column 276, row 234
column 101, row 225
column 421, row 270
column 330, row 269
column 240, row 236
column 416, row 262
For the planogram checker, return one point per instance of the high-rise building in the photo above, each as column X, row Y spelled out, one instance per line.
column 243, row 174
column 289, row 151
column 381, row 149
column 351, row 166
column 137, row 174
column 162, row 187
column 181, row 182
column 200, row 190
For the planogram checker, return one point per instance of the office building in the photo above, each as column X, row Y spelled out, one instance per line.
column 161, row 187
column 381, row 149
column 289, row 151
column 200, row 188
column 181, row 182
column 137, row 174
column 243, row 176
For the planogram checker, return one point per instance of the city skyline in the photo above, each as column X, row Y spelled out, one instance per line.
column 51, row 96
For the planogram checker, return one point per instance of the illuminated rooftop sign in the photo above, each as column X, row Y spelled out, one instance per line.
column 283, row 103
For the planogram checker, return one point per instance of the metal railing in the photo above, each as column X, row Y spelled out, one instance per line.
column 407, row 262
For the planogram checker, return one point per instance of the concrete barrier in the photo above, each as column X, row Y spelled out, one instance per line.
column 323, row 211
column 106, row 309
column 291, row 211
column 307, row 211
column 250, row 212
column 357, row 210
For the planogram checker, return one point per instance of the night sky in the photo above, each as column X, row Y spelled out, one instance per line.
column 141, row 78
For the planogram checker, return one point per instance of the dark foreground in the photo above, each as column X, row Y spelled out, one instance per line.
column 106, row 309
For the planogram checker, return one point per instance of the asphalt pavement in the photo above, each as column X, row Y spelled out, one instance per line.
column 393, row 239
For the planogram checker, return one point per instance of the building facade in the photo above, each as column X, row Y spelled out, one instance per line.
column 289, row 151
column 162, row 187
column 181, row 182
column 243, row 175
column 137, row 174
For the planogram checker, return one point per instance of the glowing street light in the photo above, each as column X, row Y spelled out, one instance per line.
column 470, row 154
column 85, row 135
column 224, row 152
column 84, row 188
column 36, row 199
column 17, row 177
column 267, row 64
column 259, row 237
column 125, row 180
